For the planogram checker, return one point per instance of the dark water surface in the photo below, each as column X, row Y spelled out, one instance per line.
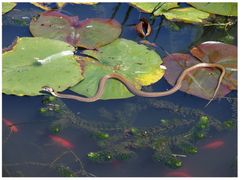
column 29, row 151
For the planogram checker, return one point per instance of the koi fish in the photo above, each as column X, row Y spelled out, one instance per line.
column 61, row 141
column 178, row 174
column 214, row 145
column 10, row 124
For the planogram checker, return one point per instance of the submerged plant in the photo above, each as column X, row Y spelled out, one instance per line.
column 170, row 141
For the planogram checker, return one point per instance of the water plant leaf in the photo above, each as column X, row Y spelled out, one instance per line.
column 188, row 15
column 155, row 7
column 220, row 8
column 136, row 62
column 202, row 82
column 221, row 53
column 173, row 12
column 90, row 33
column 7, row 6
column 36, row 62
column 61, row 4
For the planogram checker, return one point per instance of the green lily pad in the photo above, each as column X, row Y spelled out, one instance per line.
column 173, row 12
column 220, row 8
column 155, row 7
column 90, row 33
column 7, row 6
column 36, row 62
column 188, row 15
column 135, row 62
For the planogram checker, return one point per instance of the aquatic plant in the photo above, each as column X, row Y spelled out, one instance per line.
column 170, row 141
column 57, row 164
column 7, row 6
column 90, row 33
column 198, row 13
column 224, row 9
column 29, row 65
column 172, row 11
column 202, row 83
column 135, row 62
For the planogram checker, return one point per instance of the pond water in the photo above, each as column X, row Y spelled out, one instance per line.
column 31, row 152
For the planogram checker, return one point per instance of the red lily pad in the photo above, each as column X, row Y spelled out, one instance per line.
column 90, row 33
column 202, row 82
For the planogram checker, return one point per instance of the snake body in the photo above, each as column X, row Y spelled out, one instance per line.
column 135, row 91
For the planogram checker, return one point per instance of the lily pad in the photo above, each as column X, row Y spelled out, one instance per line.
column 221, row 53
column 36, row 62
column 202, row 82
column 188, row 15
column 220, row 8
column 173, row 12
column 61, row 4
column 155, row 7
column 90, row 33
column 135, row 62
column 7, row 6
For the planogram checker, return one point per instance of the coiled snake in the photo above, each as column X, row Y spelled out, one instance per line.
column 135, row 91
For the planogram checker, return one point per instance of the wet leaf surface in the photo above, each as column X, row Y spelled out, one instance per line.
column 225, row 8
column 155, row 7
column 7, row 6
column 136, row 62
column 90, row 33
column 188, row 15
column 173, row 12
column 36, row 62
column 202, row 82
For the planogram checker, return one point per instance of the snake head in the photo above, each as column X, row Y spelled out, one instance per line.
column 47, row 89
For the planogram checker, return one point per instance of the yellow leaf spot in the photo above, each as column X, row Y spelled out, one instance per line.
column 150, row 78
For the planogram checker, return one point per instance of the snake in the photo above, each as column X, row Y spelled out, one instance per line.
column 136, row 91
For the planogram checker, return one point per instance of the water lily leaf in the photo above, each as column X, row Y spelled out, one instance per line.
column 188, row 15
column 155, row 7
column 7, row 6
column 202, row 82
column 221, row 53
column 173, row 12
column 90, row 33
column 43, row 6
column 224, row 8
column 135, row 62
column 36, row 62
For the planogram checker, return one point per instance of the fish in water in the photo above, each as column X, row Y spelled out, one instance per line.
column 178, row 174
column 61, row 141
column 214, row 144
column 10, row 124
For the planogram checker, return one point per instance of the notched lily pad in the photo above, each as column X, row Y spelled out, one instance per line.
column 36, row 62
column 90, row 33
column 135, row 62
column 202, row 82
column 220, row 8
column 7, row 6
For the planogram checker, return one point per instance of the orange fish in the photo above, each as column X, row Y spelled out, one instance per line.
column 62, row 142
column 11, row 125
column 178, row 174
column 214, row 145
